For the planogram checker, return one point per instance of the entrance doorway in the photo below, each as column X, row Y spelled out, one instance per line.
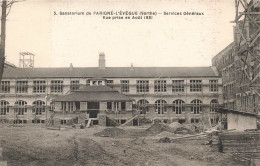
column 93, row 109
column 135, row 122
column 77, row 105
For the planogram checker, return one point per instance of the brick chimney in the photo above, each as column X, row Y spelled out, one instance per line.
column 102, row 61
column 71, row 67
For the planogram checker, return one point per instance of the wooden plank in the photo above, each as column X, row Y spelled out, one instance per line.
column 130, row 120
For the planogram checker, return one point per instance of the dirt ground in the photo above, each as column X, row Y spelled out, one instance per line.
column 35, row 145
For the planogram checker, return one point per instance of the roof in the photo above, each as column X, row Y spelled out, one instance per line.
column 236, row 111
column 112, row 72
column 9, row 65
column 95, row 93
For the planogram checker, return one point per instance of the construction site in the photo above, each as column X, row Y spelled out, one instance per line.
column 137, row 115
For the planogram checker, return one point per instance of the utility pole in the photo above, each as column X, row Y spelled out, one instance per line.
column 2, row 44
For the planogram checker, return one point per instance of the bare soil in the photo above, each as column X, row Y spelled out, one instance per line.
column 36, row 145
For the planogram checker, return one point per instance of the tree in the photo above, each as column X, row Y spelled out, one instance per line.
column 5, row 6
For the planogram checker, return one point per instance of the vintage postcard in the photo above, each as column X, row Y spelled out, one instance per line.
column 127, row 82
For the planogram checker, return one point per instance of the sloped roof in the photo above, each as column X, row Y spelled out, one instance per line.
column 95, row 93
column 110, row 72
column 9, row 65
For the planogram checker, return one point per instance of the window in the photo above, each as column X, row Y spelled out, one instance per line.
column 5, row 87
column 19, row 121
column 194, row 120
column 142, row 86
column 39, row 86
column 38, row 121
column 196, row 106
column 87, row 82
column 213, row 85
column 160, row 86
column 52, row 105
column 74, row 85
column 143, row 106
column 160, row 107
column 94, row 82
column 71, row 106
column 20, row 107
column 63, row 106
column 123, row 106
column 109, row 105
column 22, row 86
column 213, row 105
column 63, row 121
column 56, row 86
column 178, row 106
column 110, row 83
column 4, row 107
column 195, row 85
column 124, row 85
column 177, row 85
column 38, row 107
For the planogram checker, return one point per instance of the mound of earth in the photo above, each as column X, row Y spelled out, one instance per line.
column 165, row 134
column 158, row 128
column 111, row 132
column 175, row 125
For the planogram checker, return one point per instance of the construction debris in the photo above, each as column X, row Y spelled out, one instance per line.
column 240, row 141
column 158, row 128
column 183, row 130
column 165, row 134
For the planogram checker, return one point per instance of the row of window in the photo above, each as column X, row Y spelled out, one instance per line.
column 178, row 106
column 21, row 107
column 38, row 86
column 39, row 106
column 20, row 121
column 56, row 86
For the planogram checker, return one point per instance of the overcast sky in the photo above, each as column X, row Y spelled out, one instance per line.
column 59, row 40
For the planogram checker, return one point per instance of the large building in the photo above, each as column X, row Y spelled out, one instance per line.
column 183, row 94
column 239, row 65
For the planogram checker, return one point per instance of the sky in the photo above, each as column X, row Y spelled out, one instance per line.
column 163, row 41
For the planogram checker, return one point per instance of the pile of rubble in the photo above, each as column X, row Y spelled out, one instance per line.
column 165, row 134
column 158, row 128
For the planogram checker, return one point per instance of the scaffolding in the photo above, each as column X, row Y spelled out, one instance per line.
column 26, row 60
column 246, row 50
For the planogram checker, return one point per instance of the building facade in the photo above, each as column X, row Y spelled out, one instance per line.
column 239, row 66
column 183, row 94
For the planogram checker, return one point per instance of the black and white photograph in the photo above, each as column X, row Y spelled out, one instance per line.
column 130, row 82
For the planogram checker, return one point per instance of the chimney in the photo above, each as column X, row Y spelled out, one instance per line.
column 132, row 66
column 102, row 61
column 71, row 67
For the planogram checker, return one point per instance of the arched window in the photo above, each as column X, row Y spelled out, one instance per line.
column 143, row 106
column 160, row 106
column 196, row 106
column 213, row 105
column 4, row 107
column 178, row 106
column 38, row 107
column 20, row 107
